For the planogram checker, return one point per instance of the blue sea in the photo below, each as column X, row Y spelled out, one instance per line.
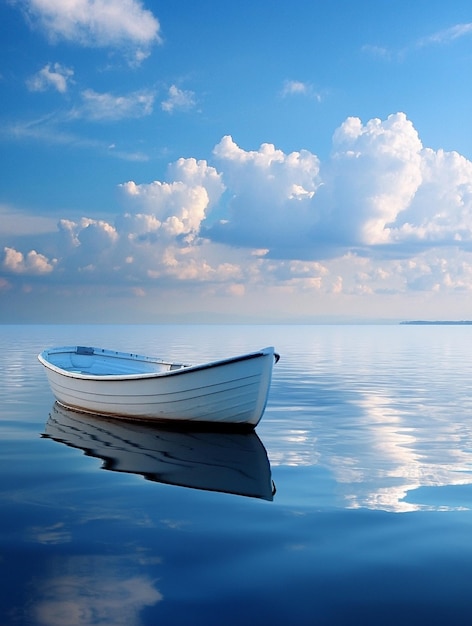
column 351, row 503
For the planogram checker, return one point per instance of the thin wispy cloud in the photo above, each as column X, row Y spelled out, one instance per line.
column 97, row 106
column 379, row 52
column 447, row 35
column 51, row 76
column 50, row 130
column 107, row 108
column 299, row 88
column 178, row 100
column 294, row 87
column 442, row 37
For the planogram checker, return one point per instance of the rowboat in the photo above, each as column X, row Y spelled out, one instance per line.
column 231, row 391
column 195, row 458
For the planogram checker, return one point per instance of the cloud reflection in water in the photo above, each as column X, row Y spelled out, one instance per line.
column 384, row 428
column 92, row 590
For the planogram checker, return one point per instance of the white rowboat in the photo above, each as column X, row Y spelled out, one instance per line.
column 231, row 391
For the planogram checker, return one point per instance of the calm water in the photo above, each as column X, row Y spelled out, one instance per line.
column 367, row 437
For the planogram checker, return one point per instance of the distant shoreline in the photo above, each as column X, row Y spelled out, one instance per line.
column 438, row 323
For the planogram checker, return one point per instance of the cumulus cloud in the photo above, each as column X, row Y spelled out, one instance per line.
column 178, row 100
column 380, row 189
column 177, row 208
column 54, row 76
column 372, row 176
column 382, row 215
column 181, row 205
column 97, row 23
column 271, row 194
column 180, row 209
column 441, row 211
column 195, row 173
column 32, row 263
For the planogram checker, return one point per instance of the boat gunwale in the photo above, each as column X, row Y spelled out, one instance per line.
column 184, row 369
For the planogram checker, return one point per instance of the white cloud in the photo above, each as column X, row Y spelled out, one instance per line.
column 382, row 215
column 178, row 99
column 447, row 35
column 198, row 173
column 271, row 195
column 441, row 211
column 181, row 205
column 180, row 209
column 442, row 37
column 115, row 23
column 380, row 187
column 32, row 263
column 108, row 107
column 372, row 176
column 96, row 235
column 299, row 88
column 51, row 76
column 294, row 87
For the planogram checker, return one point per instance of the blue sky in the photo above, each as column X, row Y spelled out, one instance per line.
column 303, row 161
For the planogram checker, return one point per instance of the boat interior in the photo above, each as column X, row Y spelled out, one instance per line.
column 100, row 362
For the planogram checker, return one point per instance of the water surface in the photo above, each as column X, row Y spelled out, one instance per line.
column 367, row 437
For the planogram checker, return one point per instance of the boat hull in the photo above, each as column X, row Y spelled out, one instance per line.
column 231, row 391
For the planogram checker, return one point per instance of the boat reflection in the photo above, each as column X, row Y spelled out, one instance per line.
column 229, row 462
